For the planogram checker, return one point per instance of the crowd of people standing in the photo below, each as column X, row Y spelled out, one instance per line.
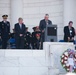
column 23, row 39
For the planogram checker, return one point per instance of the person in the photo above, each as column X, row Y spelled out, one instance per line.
column 12, row 35
column 38, row 41
column 4, row 31
column 44, row 22
column 12, row 40
column 19, row 33
column 42, row 26
column 69, row 32
column 27, row 39
column 34, row 38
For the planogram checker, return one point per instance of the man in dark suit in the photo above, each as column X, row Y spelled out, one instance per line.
column 4, row 31
column 19, row 34
column 43, row 24
column 69, row 33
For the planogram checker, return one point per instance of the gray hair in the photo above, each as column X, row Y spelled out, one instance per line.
column 20, row 19
column 46, row 14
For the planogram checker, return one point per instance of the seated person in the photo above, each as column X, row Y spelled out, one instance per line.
column 12, row 40
column 69, row 33
column 37, row 31
column 33, row 37
column 38, row 41
column 27, row 39
column 12, row 35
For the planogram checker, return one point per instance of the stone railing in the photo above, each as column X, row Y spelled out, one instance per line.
column 33, row 62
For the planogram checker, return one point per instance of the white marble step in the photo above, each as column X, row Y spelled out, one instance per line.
column 62, row 73
column 53, row 71
column 68, row 73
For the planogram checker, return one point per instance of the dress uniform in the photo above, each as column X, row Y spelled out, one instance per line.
column 27, row 39
column 38, row 41
column 37, row 31
column 4, row 31
column 33, row 37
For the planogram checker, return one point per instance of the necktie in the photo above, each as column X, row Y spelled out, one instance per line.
column 47, row 22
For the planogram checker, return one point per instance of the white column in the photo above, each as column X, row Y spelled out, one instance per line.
column 69, row 11
column 16, row 11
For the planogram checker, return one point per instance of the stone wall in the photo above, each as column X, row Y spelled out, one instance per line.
column 34, row 62
column 35, row 10
column 5, row 8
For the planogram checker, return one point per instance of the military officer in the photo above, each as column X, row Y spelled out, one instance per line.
column 38, row 41
column 27, row 39
column 34, row 38
column 4, row 31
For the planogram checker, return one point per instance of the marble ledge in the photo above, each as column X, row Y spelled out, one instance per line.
column 22, row 53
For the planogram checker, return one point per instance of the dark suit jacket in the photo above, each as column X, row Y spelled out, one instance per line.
column 67, row 33
column 19, row 30
column 4, row 29
column 42, row 24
